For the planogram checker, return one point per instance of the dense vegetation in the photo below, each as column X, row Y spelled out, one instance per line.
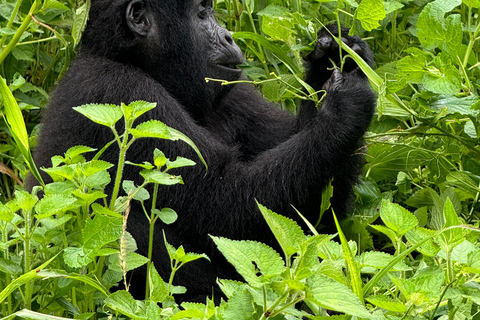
column 411, row 249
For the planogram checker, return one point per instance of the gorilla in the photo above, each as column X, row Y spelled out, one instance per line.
column 162, row 51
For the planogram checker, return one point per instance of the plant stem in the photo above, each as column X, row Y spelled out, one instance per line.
column 118, row 176
column 27, row 253
column 12, row 18
column 150, row 238
column 16, row 37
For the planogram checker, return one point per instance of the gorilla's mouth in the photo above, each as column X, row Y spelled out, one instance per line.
column 231, row 66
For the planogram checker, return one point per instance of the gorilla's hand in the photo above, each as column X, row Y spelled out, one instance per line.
column 326, row 56
column 327, row 49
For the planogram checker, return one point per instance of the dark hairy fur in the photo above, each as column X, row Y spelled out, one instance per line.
column 253, row 149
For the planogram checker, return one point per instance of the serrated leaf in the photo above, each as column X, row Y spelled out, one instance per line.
column 75, row 151
column 6, row 214
column 10, row 267
column 104, row 114
column 132, row 261
column 249, row 258
column 240, row 305
column 54, row 4
column 448, row 81
column 152, row 129
column 178, row 163
column 123, row 302
column 333, row 295
column 55, row 203
column 80, row 21
column 136, row 108
column 430, row 248
column 158, row 288
column 453, row 237
column 370, row 12
column 387, row 303
column 379, row 260
column 101, row 230
column 397, row 218
column 94, row 166
column 286, row 231
column 155, row 176
column 434, row 30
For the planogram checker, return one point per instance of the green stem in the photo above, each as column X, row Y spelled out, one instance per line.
column 8, row 278
column 16, row 37
column 271, row 310
column 118, row 176
column 27, row 253
column 260, row 48
column 12, row 18
column 150, row 237
column 472, row 39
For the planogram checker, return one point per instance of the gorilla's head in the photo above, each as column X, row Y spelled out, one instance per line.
column 177, row 42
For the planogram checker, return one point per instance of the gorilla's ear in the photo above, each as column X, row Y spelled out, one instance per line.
column 138, row 17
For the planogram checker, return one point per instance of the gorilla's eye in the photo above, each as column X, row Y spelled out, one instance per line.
column 205, row 8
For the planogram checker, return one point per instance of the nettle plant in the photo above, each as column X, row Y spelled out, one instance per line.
column 81, row 237
column 432, row 273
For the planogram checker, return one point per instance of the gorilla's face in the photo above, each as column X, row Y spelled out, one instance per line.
column 180, row 43
column 223, row 53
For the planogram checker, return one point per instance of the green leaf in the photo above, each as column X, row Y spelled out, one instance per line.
column 429, row 248
column 167, row 215
column 91, row 167
column 123, row 302
column 446, row 81
column 370, row 12
column 152, row 129
column 387, row 303
column 155, row 176
column 397, row 218
column 101, row 230
column 266, row 43
column 333, row 295
column 10, row 267
column 434, row 30
column 25, row 200
column 178, row 163
column 23, row 279
column 379, row 260
column 249, row 258
column 452, row 237
column 352, row 266
column 54, row 4
column 136, row 108
column 139, row 194
column 472, row 3
column 80, row 21
column 55, row 203
column 240, row 306
column 76, row 151
column 286, row 231
column 158, row 288
column 6, row 214
column 104, row 114
column 15, row 123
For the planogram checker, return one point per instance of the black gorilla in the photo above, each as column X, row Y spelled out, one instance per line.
column 162, row 51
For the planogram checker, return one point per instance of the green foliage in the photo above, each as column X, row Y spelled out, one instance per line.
column 410, row 250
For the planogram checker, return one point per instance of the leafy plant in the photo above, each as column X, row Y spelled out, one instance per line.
column 410, row 250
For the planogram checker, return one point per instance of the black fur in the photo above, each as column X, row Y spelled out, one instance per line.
column 161, row 51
